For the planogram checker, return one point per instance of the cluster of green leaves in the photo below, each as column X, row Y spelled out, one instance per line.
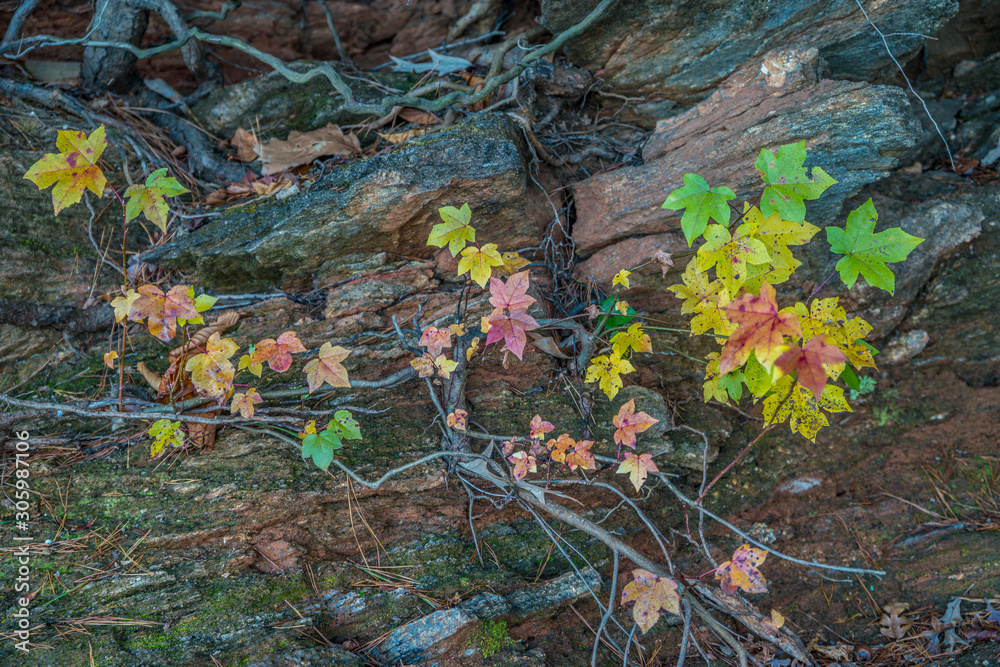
column 204, row 366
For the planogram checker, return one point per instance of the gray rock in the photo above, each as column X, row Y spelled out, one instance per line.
column 386, row 203
column 487, row 605
column 436, row 634
column 854, row 131
column 554, row 593
column 272, row 104
column 904, row 347
column 683, row 50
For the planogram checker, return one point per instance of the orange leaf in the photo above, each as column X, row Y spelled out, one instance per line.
column 761, row 328
column 651, row 594
column 277, row 353
column 807, row 363
column 457, row 419
column 327, row 368
column 630, row 423
column 741, row 572
column 163, row 309
column 109, row 359
column 637, row 467
column 211, row 372
column 245, row 402
column 73, row 169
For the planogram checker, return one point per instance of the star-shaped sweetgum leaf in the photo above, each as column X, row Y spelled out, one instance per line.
column 477, row 262
column 277, row 353
column 73, row 169
column 651, row 595
column 761, row 329
column 511, row 327
column 455, row 231
column 700, row 203
column 512, row 294
column 629, row 423
column 163, row 310
column 807, row 363
column 327, row 368
column 637, row 467
column 150, row 199
column 742, row 573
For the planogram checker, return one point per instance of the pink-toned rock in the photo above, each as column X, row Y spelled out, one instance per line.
column 853, row 130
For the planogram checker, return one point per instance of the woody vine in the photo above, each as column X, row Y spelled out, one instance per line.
column 795, row 360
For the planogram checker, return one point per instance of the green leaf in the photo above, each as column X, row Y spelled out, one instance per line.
column 202, row 303
column 866, row 252
column 150, row 199
column 757, row 377
column 616, row 321
column 320, row 446
column 700, row 203
column 733, row 384
column 788, row 185
column 455, row 231
column 850, row 378
column 344, row 424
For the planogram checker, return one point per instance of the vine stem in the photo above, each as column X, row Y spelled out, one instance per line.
column 767, row 427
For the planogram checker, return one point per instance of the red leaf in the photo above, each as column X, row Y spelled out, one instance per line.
column 761, row 329
column 277, row 353
column 807, row 362
column 512, row 295
column 512, row 329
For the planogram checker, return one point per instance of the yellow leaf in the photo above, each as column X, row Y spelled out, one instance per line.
column 477, row 262
column 73, row 169
column 730, row 254
column 123, row 304
column 513, row 262
column 211, row 372
column 621, row 278
column 801, row 409
column 473, row 348
column 635, row 339
column 697, row 289
column 607, row 370
column 109, row 359
column 445, row 366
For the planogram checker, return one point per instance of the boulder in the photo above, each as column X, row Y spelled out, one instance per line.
column 683, row 50
column 385, row 204
column 854, row 131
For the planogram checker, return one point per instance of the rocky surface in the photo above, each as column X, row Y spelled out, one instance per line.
column 683, row 50
column 854, row 131
column 385, row 204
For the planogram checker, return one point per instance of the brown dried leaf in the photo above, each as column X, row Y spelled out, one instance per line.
column 400, row 137
column 419, row 117
column 246, row 145
column 304, row 147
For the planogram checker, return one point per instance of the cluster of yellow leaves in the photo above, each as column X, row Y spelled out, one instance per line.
column 762, row 344
column 607, row 369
